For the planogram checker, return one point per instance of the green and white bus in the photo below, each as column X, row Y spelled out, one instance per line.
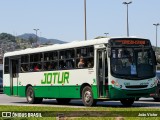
column 120, row 68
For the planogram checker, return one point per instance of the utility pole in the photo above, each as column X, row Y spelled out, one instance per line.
column 106, row 34
column 36, row 35
column 85, row 22
column 127, row 3
column 157, row 24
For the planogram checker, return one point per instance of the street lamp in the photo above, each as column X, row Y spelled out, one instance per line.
column 36, row 34
column 85, row 22
column 157, row 24
column 127, row 3
column 106, row 34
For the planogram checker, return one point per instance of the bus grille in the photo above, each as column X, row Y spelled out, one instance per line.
column 137, row 86
column 138, row 94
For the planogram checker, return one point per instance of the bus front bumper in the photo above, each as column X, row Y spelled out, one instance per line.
column 121, row 93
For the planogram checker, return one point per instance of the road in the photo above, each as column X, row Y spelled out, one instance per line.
column 8, row 100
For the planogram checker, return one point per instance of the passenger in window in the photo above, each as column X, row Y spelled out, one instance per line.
column 129, row 61
column 36, row 68
column 55, row 66
column 90, row 64
column 81, row 63
column 69, row 64
column 45, row 67
column 50, row 67
column 22, row 69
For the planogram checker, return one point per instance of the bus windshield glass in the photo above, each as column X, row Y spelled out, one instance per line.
column 132, row 63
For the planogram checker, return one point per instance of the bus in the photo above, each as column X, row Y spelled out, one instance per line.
column 1, row 70
column 117, row 68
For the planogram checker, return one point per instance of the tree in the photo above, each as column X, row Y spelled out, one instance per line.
column 7, row 37
column 31, row 40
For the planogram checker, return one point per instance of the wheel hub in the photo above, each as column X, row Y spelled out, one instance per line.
column 30, row 95
column 87, row 96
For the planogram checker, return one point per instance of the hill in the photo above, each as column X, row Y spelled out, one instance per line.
column 41, row 40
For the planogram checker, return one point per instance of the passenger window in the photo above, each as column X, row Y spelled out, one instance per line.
column 6, row 66
column 36, row 61
column 85, row 57
column 67, row 59
column 24, row 67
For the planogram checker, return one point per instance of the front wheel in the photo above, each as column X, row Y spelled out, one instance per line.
column 127, row 102
column 87, row 97
column 31, row 99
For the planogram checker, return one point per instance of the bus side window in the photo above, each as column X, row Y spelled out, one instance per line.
column 36, row 62
column 88, row 56
column 24, row 63
column 6, row 65
column 24, row 67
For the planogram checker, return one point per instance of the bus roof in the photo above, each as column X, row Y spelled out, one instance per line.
column 57, row 47
column 61, row 46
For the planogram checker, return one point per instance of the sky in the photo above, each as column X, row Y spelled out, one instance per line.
column 64, row 19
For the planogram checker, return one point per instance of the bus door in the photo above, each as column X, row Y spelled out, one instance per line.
column 102, row 71
column 14, row 74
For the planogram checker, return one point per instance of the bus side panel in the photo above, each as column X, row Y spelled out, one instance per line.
column 7, row 90
column 46, row 91
column 95, row 91
column 69, row 91
column 74, row 91
column 22, row 91
column 61, row 91
column 6, row 84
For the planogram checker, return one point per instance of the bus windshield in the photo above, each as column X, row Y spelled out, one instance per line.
column 132, row 63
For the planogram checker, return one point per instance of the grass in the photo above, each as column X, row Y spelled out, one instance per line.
column 115, row 113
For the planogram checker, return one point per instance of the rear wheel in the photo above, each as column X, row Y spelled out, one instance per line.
column 31, row 99
column 87, row 97
column 127, row 102
column 63, row 101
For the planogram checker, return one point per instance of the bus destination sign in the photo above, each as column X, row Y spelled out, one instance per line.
column 132, row 42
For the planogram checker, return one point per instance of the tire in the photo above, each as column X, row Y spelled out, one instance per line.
column 30, row 95
column 63, row 101
column 127, row 102
column 87, row 97
column 156, row 99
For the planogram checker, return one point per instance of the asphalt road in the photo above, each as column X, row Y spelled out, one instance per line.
column 9, row 100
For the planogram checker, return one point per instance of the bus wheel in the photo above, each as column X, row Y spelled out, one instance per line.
column 63, row 101
column 87, row 97
column 31, row 97
column 127, row 102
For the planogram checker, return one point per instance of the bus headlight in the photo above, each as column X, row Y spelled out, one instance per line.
column 113, row 82
column 116, row 84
